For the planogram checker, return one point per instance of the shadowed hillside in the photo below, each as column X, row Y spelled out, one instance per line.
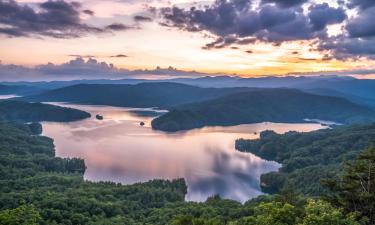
column 271, row 105
column 34, row 112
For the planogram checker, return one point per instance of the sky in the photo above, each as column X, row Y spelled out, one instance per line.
column 61, row 39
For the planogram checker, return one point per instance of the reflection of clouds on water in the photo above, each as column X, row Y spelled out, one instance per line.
column 233, row 176
column 118, row 149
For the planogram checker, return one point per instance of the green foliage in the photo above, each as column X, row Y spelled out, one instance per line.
column 322, row 213
column 309, row 157
column 22, row 215
column 275, row 213
column 30, row 173
column 355, row 189
column 36, row 128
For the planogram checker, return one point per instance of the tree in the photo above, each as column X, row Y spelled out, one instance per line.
column 23, row 215
column 323, row 213
column 355, row 190
column 275, row 213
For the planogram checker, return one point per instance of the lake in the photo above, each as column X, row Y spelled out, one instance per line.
column 119, row 149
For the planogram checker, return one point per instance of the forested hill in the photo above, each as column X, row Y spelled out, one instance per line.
column 20, row 111
column 37, row 188
column 161, row 95
column 261, row 105
column 307, row 158
column 50, row 190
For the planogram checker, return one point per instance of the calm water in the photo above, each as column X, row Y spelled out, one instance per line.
column 119, row 149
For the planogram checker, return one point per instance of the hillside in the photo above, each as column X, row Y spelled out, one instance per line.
column 161, row 95
column 271, row 105
column 307, row 158
column 19, row 90
column 20, row 111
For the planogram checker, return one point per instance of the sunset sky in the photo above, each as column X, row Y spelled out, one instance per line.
column 243, row 37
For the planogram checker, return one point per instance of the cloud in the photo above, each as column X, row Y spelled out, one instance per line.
column 322, row 15
column 362, row 25
column 362, row 4
column 88, row 12
column 119, row 56
column 58, row 19
column 118, row 27
column 345, row 47
column 283, row 21
column 80, row 68
column 286, row 3
column 359, row 39
column 139, row 18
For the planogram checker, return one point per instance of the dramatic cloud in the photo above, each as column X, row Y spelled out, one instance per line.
column 283, row 21
column 58, row 19
column 274, row 21
column 363, row 25
column 322, row 15
column 359, row 40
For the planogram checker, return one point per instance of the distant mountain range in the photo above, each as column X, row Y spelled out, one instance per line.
column 162, row 95
column 263, row 105
column 361, row 91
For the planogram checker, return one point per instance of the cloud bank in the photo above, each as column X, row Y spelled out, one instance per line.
column 57, row 19
column 279, row 21
column 79, row 68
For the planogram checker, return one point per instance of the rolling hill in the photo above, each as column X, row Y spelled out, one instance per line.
column 271, row 105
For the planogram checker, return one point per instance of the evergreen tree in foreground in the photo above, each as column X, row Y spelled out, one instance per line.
column 355, row 190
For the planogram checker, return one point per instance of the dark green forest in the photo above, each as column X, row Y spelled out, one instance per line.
column 39, row 188
column 307, row 158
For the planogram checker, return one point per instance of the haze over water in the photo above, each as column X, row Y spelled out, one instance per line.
column 118, row 149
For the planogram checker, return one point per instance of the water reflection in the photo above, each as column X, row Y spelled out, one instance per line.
column 119, row 149
column 8, row 96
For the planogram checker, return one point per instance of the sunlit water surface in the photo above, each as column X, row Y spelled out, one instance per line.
column 118, row 149
column 8, row 96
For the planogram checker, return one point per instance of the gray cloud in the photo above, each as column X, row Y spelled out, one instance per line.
column 118, row 27
column 363, row 25
column 322, row 15
column 80, row 68
column 119, row 56
column 362, row 4
column 227, row 19
column 358, row 41
column 58, row 19
column 139, row 18
column 286, row 3
column 88, row 12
